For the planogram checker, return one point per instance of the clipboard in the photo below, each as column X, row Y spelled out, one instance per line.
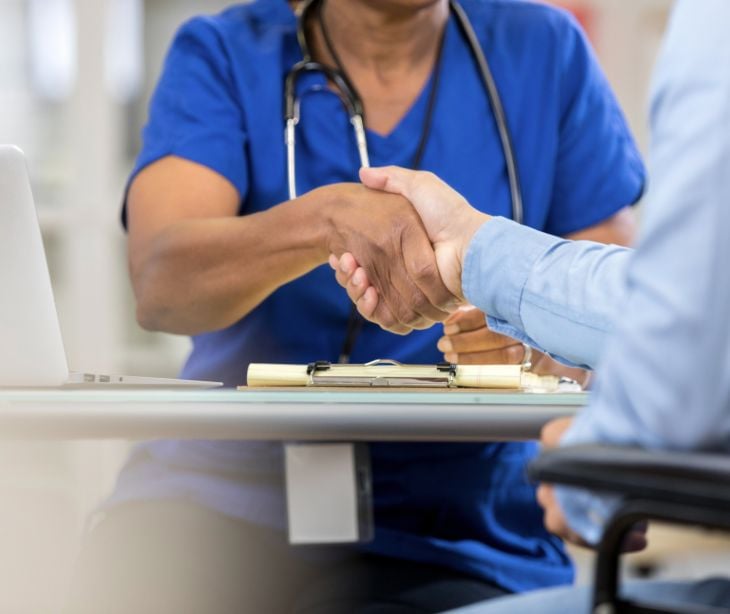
column 385, row 373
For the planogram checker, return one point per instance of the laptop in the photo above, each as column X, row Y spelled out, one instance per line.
column 31, row 348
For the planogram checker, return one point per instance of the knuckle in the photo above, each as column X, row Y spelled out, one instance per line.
column 385, row 319
column 477, row 318
column 354, row 290
column 412, row 320
column 425, row 270
column 456, row 344
column 514, row 354
column 364, row 308
column 423, row 324
column 421, row 305
column 404, row 314
column 480, row 340
column 425, row 307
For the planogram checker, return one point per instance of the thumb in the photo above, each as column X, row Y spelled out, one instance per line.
column 393, row 179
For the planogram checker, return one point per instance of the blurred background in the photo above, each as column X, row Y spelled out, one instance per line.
column 75, row 77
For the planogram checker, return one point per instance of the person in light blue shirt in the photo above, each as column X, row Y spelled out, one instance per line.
column 654, row 322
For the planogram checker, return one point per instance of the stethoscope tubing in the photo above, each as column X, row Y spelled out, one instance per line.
column 355, row 110
column 354, row 106
column 500, row 117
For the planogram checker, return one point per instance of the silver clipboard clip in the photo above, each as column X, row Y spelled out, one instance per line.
column 442, row 375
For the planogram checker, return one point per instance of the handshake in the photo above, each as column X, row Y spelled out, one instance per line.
column 406, row 274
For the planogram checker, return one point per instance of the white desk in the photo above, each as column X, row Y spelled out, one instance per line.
column 301, row 414
column 294, row 415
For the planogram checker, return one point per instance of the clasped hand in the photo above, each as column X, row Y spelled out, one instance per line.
column 384, row 235
column 393, row 283
column 449, row 223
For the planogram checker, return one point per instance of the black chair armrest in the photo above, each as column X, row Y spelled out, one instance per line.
column 688, row 478
column 685, row 488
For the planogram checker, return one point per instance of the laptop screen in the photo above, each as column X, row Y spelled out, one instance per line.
column 31, row 347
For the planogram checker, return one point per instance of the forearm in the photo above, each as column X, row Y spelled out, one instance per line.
column 619, row 229
column 563, row 295
column 196, row 274
column 199, row 275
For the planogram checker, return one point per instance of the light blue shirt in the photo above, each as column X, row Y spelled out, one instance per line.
column 655, row 322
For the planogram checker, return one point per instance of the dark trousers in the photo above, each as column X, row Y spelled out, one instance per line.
column 178, row 558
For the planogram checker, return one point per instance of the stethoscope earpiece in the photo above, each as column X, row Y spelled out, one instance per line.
column 355, row 108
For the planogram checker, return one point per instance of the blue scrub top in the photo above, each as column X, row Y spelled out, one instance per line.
column 219, row 102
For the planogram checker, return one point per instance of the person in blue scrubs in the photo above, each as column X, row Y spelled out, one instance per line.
column 217, row 251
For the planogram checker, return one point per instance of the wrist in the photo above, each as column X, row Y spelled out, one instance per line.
column 320, row 207
column 468, row 227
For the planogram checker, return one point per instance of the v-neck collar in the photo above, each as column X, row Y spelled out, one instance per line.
column 410, row 125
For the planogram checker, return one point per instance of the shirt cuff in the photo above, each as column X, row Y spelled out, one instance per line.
column 586, row 512
column 503, row 328
column 498, row 263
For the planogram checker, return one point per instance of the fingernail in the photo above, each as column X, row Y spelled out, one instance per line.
column 444, row 345
column 451, row 329
column 357, row 278
column 344, row 268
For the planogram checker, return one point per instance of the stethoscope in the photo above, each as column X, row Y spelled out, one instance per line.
column 352, row 102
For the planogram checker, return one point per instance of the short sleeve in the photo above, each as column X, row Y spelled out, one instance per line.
column 195, row 112
column 599, row 169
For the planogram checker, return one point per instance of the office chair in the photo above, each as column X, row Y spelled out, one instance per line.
column 673, row 487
